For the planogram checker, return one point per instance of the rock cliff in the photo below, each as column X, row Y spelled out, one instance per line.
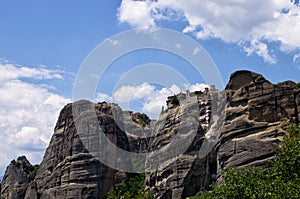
column 18, row 175
column 254, row 119
column 257, row 115
column 68, row 170
column 188, row 173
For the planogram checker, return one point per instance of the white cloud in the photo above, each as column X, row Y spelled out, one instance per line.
column 260, row 49
column 11, row 71
column 242, row 22
column 174, row 88
column 113, row 42
column 196, row 87
column 136, row 13
column 103, row 97
column 196, row 51
column 28, row 113
column 126, row 93
column 296, row 58
column 151, row 98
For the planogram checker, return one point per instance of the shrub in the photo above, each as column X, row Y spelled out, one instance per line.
column 131, row 188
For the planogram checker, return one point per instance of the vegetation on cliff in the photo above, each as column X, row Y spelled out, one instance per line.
column 131, row 188
column 282, row 180
column 29, row 169
column 141, row 119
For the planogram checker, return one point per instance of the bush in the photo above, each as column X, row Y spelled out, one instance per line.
column 198, row 93
column 175, row 101
column 131, row 188
column 141, row 119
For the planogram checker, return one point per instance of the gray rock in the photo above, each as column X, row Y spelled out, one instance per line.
column 186, row 174
column 257, row 115
column 68, row 169
column 16, row 179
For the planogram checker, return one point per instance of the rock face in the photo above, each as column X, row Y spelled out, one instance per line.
column 16, row 179
column 68, row 170
column 256, row 114
column 256, row 117
column 187, row 174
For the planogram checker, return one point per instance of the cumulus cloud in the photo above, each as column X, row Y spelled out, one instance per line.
column 137, row 13
column 260, row 49
column 196, row 87
column 28, row 112
column 126, row 93
column 151, row 98
column 254, row 23
column 103, row 97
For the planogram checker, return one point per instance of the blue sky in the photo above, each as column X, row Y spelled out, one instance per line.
column 44, row 43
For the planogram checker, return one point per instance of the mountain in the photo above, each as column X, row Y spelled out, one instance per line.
column 194, row 140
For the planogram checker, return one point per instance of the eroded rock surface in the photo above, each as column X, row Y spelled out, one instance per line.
column 68, row 170
column 257, row 115
column 16, row 179
column 184, row 174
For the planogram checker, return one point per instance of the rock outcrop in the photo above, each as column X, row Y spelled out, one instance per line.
column 184, row 174
column 257, row 115
column 68, row 169
column 243, row 132
column 17, row 177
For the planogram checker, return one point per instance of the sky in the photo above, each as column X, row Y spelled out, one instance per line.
column 43, row 45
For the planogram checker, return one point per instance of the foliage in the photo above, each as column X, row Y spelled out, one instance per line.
column 15, row 163
column 31, row 171
column 175, row 101
column 198, row 93
column 282, row 180
column 141, row 119
column 131, row 188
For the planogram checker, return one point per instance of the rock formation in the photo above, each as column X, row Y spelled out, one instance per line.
column 256, row 115
column 188, row 173
column 18, row 175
